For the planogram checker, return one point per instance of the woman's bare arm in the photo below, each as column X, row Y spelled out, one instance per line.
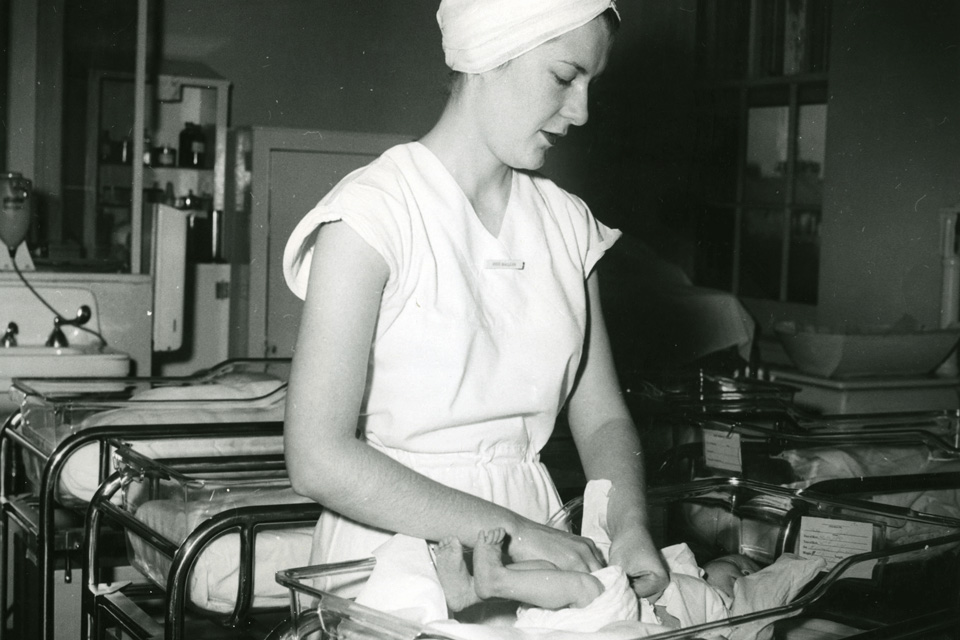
column 609, row 448
column 325, row 459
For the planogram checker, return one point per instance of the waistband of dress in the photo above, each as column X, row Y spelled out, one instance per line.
column 501, row 453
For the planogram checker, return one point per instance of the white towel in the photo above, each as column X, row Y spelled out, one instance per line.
column 479, row 35
column 404, row 582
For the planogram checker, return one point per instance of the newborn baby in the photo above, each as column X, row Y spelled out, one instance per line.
column 701, row 595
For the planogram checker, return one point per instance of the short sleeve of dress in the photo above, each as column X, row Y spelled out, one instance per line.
column 600, row 238
column 584, row 234
column 368, row 210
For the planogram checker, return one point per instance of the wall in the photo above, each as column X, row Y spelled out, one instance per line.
column 378, row 67
column 21, row 100
column 335, row 64
column 633, row 162
column 892, row 141
column 893, row 158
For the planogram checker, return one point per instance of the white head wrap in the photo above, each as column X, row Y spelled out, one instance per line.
column 480, row 35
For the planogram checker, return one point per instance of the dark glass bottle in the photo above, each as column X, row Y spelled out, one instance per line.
column 147, row 148
column 193, row 146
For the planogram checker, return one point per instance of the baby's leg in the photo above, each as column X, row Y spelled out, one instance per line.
column 456, row 581
column 546, row 588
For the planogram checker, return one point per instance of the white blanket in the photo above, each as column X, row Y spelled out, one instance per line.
column 213, row 581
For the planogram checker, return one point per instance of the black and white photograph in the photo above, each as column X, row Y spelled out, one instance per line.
column 479, row 319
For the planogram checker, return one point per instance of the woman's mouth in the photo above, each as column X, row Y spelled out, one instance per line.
column 552, row 138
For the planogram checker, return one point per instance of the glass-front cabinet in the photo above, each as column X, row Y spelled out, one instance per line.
column 181, row 164
column 128, row 128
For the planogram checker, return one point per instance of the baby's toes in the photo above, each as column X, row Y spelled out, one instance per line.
column 450, row 545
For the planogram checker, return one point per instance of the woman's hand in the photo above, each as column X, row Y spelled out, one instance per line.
column 635, row 551
column 532, row 541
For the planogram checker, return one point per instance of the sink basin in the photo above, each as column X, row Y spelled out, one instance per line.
column 64, row 362
column 84, row 358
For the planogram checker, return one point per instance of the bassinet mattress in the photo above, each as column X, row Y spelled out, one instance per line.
column 213, row 581
column 237, row 401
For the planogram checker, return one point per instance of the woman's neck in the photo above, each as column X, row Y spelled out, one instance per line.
column 482, row 177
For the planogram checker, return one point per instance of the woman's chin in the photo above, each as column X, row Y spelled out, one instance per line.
column 531, row 162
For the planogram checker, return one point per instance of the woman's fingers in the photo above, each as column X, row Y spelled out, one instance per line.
column 641, row 560
column 649, row 585
column 565, row 550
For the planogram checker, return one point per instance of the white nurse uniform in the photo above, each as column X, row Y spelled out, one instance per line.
column 479, row 337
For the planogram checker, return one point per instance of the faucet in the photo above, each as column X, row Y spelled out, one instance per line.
column 57, row 338
column 9, row 338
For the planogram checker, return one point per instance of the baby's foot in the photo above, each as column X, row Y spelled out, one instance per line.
column 454, row 578
column 488, row 562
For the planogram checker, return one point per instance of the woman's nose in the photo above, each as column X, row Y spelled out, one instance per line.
column 575, row 107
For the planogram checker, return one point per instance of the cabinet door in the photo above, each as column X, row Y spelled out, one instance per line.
column 291, row 171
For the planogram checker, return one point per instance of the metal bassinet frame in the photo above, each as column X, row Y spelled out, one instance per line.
column 319, row 614
column 33, row 512
column 127, row 606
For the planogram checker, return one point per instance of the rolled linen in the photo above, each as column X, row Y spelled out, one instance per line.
column 480, row 35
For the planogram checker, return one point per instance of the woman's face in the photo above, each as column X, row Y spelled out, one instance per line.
column 527, row 105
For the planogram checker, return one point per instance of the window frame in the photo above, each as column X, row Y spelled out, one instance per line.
column 747, row 71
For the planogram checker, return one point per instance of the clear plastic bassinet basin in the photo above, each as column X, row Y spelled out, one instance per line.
column 901, row 566
column 800, row 453
column 172, row 504
column 53, row 409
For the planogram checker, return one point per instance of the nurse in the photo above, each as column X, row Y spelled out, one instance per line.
column 452, row 311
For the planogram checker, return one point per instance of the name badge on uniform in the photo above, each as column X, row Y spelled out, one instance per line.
column 503, row 264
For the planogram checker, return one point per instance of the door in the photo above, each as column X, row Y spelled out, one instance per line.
column 292, row 170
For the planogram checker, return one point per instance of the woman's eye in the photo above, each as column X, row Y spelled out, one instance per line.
column 562, row 81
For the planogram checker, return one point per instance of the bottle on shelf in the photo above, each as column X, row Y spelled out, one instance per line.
column 193, row 146
column 191, row 201
column 165, row 156
column 168, row 197
column 147, row 146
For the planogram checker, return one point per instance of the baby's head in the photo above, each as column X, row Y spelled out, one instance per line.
column 721, row 573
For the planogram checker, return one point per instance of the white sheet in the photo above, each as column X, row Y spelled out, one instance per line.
column 213, row 582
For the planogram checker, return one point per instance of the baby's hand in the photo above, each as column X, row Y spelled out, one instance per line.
column 665, row 618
